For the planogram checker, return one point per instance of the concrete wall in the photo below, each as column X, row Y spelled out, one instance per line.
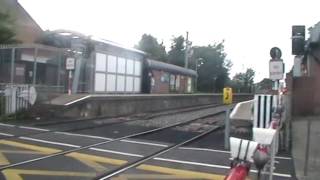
column 113, row 106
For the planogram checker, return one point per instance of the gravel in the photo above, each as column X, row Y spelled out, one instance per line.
column 181, row 117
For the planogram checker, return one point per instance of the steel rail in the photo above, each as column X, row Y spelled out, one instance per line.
column 100, row 125
column 108, row 141
column 149, row 157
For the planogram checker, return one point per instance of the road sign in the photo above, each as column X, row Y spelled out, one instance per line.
column 275, row 53
column 70, row 64
column 227, row 95
column 276, row 69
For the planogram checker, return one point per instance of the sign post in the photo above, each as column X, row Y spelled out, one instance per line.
column 227, row 100
column 276, row 69
column 70, row 65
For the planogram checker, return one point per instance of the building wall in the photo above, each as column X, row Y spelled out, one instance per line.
column 305, row 90
column 164, row 83
column 315, row 84
column 159, row 86
column 27, row 30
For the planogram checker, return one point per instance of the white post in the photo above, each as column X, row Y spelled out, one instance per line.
column 273, row 147
column 227, row 129
column 70, row 83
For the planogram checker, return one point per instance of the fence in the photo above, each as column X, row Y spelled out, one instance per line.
column 15, row 98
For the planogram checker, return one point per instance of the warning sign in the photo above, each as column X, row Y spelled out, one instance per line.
column 227, row 95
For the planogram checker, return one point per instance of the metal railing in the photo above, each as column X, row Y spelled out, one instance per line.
column 19, row 97
column 14, row 98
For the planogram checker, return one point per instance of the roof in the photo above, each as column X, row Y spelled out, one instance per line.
column 170, row 68
column 117, row 45
column 96, row 39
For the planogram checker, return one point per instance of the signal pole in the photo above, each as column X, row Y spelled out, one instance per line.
column 186, row 51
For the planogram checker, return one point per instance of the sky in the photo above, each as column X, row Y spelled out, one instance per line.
column 250, row 28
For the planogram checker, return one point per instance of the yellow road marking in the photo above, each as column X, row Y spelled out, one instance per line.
column 98, row 167
column 34, row 150
column 177, row 172
column 20, row 152
column 30, row 147
column 150, row 176
column 98, row 159
column 16, row 173
column 3, row 160
column 91, row 161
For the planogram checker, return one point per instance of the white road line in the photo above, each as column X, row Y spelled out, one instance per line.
column 144, row 143
column 5, row 134
column 116, row 152
column 204, row 149
column 138, row 155
column 6, row 125
column 282, row 175
column 221, row 151
column 281, row 157
column 49, row 142
column 33, row 128
column 193, row 163
column 82, row 135
column 212, row 165
column 77, row 100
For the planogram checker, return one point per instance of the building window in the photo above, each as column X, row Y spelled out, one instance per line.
column 137, row 68
column 101, row 62
column 121, row 65
column 120, row 83
column 172, row 82
column 111, row 83
column 100, row 82
column 112, row 64
column 189, row 88
column 119, row 74
column 136, row 84
column 129, row 84
column 165, row 77
column 177, row 82
column 130, row 67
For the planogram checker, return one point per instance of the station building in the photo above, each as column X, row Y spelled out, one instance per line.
column 101, row 66
column 167, row 78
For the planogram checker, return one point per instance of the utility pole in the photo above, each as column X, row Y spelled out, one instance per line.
column 186, row 52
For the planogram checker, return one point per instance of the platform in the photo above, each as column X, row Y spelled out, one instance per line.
column 114, row 105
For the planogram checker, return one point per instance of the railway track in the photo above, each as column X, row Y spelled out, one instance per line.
column 98, row 124
column 141, row 161
column 139, row 134
column 149, row 115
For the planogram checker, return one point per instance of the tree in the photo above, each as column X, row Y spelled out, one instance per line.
column 243, row 82
column 7, row 32
column 213, row 67
column 264, row 86
column 149, row 44
column 176, row 55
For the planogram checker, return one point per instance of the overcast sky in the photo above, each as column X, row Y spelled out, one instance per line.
column 249, row 27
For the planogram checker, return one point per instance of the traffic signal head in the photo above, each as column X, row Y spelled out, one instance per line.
column 298, row 40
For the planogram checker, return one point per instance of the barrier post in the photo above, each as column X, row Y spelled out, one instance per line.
column 227, row 129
